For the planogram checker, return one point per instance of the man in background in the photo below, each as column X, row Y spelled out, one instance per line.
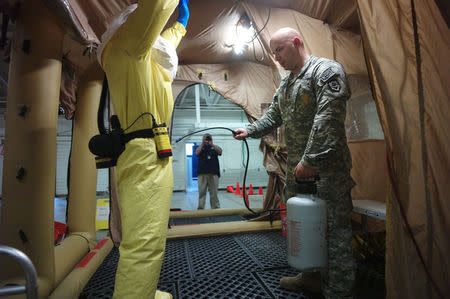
column 208, row 172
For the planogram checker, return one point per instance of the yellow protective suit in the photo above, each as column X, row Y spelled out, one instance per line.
column 139, row 84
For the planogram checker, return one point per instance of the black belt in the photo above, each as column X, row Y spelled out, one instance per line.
column 145, row 133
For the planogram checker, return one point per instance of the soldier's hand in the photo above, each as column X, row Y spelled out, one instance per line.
column 240, row 134
column 302, row 172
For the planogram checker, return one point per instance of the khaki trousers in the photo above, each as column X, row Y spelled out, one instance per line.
column 210, row 182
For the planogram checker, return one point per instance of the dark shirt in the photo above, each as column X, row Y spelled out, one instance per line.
column 208, row 163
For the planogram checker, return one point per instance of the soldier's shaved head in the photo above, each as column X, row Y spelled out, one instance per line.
column 288, row 48
column 285, row 33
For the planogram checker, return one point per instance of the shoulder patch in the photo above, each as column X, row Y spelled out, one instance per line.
column 334, row 85
column 326, row 75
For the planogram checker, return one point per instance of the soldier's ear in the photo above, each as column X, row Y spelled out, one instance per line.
column 298, row 42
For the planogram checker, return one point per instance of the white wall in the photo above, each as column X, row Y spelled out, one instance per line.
column 62, row 162
column 63, row 143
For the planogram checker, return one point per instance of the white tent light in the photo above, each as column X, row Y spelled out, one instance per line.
column 241, row 34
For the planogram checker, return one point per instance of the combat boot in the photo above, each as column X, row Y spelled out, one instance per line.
column 310, row 282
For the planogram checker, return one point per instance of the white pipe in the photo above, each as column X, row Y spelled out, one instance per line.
column 197, row 102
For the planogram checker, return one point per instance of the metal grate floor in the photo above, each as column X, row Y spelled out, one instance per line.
column 234, row 266
column 244, row 266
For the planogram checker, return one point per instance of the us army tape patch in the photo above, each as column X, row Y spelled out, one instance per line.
column 326, row 75
column 334, row 85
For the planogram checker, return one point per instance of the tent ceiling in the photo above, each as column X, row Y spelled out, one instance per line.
column 208, row 25
column 330, row 27
column 97, row 14
column 85, row 21
column 340, row 13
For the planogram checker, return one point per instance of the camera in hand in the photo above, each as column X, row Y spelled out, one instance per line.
column 208, row 138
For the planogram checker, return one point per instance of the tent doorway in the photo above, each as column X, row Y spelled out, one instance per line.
column 198, row 107
column 191, row 167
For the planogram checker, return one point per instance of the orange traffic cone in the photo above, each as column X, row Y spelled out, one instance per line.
column 250, row 190
column 283, row 218
column 260, row 191
column 230, row 189
column 238, row 190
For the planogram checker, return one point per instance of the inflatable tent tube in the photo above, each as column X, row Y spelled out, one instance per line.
column 73, row 284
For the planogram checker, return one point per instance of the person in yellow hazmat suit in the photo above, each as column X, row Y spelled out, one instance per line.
column 140, row 64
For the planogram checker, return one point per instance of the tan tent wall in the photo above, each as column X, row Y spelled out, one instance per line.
column 370, row 174
column 410, row 76
column 320, row 39
column 369, row 171
column 248, row 84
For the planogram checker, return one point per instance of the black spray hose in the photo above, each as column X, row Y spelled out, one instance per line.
column 245, row 172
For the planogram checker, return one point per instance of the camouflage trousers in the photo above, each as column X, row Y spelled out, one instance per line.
column 338, row 279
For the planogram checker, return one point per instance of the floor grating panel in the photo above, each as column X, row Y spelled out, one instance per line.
column 175, row 268
column 221, row 263
column 175, row 248
column 227, row 286
column 212, row 244
column 246, row 265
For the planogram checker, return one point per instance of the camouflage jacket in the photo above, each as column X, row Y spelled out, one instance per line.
column 311, row 106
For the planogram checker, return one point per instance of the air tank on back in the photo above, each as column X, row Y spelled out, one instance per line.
column 306, row 228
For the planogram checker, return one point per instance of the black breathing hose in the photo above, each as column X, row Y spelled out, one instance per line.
column 101, row 107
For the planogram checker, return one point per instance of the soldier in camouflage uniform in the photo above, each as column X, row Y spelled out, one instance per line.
column 310, row 104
